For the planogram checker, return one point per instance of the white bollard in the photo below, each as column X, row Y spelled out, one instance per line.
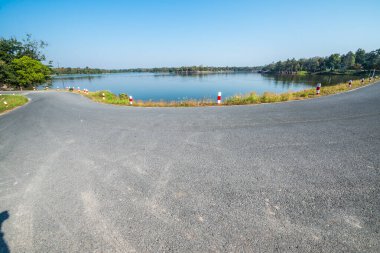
column 350, row 83
column 130, row 100
column 319, row 85
column 219, row 97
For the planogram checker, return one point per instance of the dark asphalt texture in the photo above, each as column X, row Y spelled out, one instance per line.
column 303, row 176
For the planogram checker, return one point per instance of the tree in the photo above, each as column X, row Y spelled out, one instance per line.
column 333, row 61
column 360, row 56
column 371, row 59
column 27, row 71
column 12, row 50
column 348, row 60
column 9, row 49
column 32, row 48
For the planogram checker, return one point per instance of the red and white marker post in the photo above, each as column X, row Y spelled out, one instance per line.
column 319, row 85
column 130, row 100
column 350, row 83
column 219, row 98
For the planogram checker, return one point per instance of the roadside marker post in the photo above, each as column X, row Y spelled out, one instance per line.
column 219, row 97
column 130, row 100
column 319, row 85
column 350, row 83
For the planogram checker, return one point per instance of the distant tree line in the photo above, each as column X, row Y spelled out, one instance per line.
column 198, row 69
column 360, row 60
column 73, row 71
column 179, row 70
column 21, row 63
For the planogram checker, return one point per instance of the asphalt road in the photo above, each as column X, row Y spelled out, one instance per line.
column 304, row 176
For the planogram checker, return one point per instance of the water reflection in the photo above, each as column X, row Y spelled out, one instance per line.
column 311, row 79
column 172, row 86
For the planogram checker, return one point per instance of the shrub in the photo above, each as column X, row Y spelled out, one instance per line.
column 123, row 96
column 269, row 97
column 286, row 96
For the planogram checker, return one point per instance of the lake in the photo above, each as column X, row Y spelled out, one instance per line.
column 169, row 87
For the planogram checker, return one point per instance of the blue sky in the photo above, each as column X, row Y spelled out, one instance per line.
column 128, row 34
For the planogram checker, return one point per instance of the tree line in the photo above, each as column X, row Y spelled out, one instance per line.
column 179, row 70
column 21, row 63
column 358, row 61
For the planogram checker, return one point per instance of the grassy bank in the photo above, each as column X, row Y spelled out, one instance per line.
column 9, row 102
column 252, row 98
column 123, row 99
column 268, row 97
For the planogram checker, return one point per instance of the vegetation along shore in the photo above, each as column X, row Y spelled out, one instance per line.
column 251, row 98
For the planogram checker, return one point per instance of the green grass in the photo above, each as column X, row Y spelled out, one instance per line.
column 251, row 98
column 8, row 102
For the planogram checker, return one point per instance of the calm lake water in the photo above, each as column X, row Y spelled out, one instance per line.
column 169, row 87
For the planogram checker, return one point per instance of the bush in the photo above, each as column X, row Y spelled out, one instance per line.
column 286, row 96
column 123, row 96
column 104, row 93
column 269, row 97
column 253, row 98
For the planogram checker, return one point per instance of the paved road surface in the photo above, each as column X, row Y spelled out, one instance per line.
column 77, row 176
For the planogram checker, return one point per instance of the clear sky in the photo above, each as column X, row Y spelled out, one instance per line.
column 147, row 33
